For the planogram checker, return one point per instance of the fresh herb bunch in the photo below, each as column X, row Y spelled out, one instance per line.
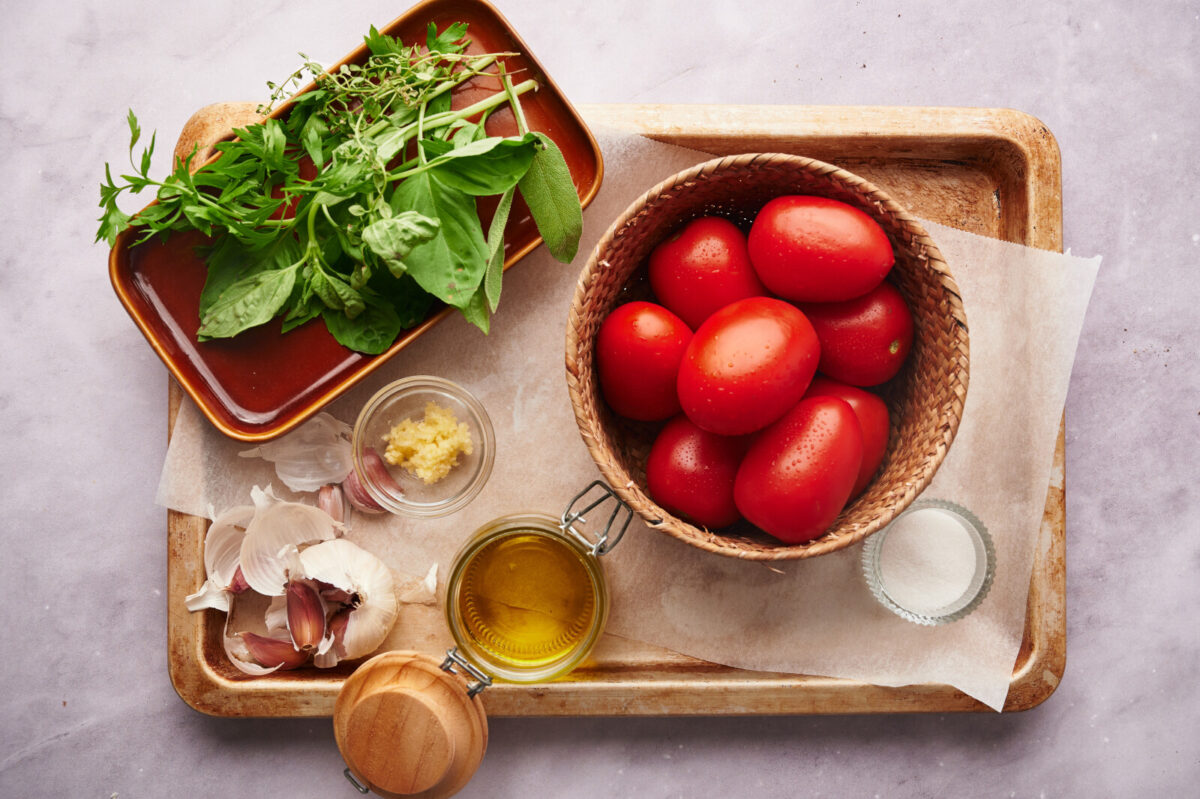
column 330, row 212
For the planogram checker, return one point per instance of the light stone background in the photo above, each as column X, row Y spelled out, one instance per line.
column 88, row 710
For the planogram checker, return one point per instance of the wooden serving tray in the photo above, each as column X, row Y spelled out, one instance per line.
column 992, row 172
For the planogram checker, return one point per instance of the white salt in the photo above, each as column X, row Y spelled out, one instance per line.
column 927, row 561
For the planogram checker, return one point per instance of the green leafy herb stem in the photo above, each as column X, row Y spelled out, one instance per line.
column 358, row 205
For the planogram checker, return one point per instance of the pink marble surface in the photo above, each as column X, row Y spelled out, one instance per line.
column 88, row 709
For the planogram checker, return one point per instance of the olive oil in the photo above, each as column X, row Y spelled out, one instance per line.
column 527, row 599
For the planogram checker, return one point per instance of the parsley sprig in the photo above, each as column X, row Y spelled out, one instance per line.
column 359, row 204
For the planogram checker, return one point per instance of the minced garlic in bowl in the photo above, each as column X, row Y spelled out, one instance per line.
column 428, row 448
column 423, row 446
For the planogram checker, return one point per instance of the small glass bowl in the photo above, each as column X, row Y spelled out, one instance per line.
column 409, row 495
column 944, row 603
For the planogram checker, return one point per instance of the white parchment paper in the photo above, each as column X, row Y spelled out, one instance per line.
column 1025, row 309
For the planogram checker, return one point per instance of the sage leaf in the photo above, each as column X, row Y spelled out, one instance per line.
column 495, row 239
column 553, row 202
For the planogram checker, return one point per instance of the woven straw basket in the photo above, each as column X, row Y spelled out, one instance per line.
column 925, row 400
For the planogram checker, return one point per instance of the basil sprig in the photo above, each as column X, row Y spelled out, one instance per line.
column 359, row 206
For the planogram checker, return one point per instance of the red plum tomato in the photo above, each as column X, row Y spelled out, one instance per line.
column 747, row 365
column 701, row 268
column 638, row 350
column 690, row 473
column 813, row 249
column 798, row 473
column 872, row 413
column 864, row 341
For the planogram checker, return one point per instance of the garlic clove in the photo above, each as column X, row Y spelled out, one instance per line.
column 237, row 649
column 356, row 494
column 276, row 531
column 337, row 632
column 274, row 653
column 239, row 584
column 314, row 454
column 332, row 500
column 305, row 614
column 222, row 554
column 368, row 581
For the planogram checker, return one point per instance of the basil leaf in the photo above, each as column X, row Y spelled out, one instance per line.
column 371, row 332
column 488, row 166
column 229, row 261
column 302, row 313
column 495, row 239
column 336, row 293
column 249, row 302
column 550, row 194
column 393, row 238
column 450, row 265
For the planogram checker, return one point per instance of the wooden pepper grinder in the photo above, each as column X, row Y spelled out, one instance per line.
column 409, row 726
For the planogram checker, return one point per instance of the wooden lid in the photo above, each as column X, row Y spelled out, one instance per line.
column 406, row 728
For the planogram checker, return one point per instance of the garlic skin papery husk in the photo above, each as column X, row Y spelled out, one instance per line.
column 222, row 556
column 277, row 530
column 316, row 453
column 362, row 623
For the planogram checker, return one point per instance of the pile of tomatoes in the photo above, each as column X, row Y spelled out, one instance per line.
column 758, row 355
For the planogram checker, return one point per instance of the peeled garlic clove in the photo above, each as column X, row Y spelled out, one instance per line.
column 343, row 564
column 276, row 531
column 305, row 614
column 314, row 454
column 332, row 500
column 222, row 556
column 273, row 653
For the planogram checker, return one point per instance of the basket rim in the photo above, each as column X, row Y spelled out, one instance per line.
column 626, row 487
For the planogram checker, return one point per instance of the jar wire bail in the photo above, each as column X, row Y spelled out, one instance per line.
column 620, row 510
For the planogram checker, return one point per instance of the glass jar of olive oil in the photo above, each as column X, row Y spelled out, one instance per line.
column 526, row 601
column 526, row 598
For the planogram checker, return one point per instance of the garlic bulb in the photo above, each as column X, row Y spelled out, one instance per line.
column 367, row 582
column 316, row 453
column 330, row 599
column 222, row 558
column 276, row 531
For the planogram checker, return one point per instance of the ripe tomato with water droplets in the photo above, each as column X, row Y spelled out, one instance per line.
column 814, row 249
column 701, row 268
column 872, row 413
column 864, row 341
column 638, row 350
column 746, row 365
column 797, row 475
column 690, row 472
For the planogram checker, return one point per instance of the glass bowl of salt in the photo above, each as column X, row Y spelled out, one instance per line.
column 933, row 565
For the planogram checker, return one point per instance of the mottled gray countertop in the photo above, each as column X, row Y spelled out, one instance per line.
column 89, row 710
